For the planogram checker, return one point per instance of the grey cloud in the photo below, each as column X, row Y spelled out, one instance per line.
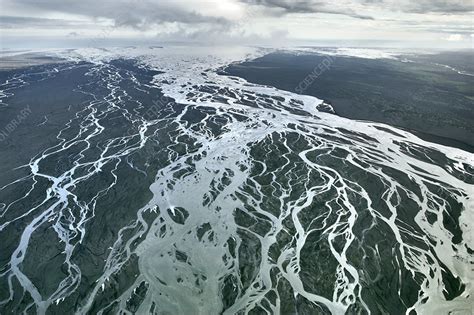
column 12, row 22
column 307, row 6
column 425, row 6
column 440, row 6
column 348, row 9
column 133, row 13
column 192, row 20
column 286, row 5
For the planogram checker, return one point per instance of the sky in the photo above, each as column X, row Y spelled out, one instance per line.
column 445, row 24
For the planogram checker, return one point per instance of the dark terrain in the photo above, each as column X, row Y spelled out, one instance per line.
column 117, row 199
column 433, row 101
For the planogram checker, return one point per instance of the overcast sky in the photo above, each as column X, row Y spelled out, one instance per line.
column 421, row 23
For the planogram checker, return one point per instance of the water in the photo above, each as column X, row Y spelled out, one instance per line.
column 228, row 197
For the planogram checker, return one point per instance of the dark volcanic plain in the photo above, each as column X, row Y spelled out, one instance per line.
column 184, row 207
column 420, row 94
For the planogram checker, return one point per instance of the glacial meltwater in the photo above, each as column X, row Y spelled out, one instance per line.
column 169, row 187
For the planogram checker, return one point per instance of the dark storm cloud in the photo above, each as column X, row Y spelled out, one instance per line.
column 307, row 6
